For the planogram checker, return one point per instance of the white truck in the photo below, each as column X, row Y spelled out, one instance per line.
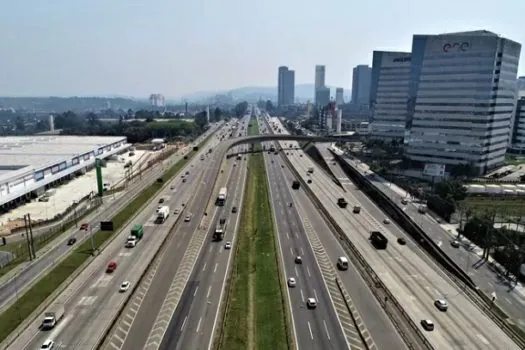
column 51, row 317
column 223, row 193
column 162, row 214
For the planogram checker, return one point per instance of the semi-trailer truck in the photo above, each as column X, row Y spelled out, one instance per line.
column 162, row 214
column 52, row 316
column 296, row 185
column 223, row 193
column 379, row 241
column 137, row 231
column 220, row 229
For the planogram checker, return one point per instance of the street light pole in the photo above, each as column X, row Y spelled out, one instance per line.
column 92, row 240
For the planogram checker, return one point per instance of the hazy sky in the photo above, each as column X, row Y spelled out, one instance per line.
column 137, row 47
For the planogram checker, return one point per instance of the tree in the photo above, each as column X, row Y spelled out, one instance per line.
column 453, row 190
column 240, row 109
column 201, row 120
column 20, row 124
column 217, row 113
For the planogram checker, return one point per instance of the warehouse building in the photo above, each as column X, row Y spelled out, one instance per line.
column 31, row 165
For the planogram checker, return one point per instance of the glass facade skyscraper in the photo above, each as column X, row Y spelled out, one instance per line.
column 461, row 98
column 285, row 87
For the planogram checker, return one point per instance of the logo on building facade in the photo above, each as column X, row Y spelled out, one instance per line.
column 456, row 47
column 401, row 59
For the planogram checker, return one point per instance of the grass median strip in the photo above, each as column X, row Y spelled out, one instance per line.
column 254, row 316
column 12, row 317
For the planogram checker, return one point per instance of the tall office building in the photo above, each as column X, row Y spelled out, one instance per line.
column 285, row 87
column 461, row 99
column 518, row 130
column 322, row 96
column 319, row 80
column 361, row 78
column 389, row 93
column 339, row 96
column 521, row 87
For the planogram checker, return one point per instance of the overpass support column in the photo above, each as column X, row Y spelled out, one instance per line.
column 306, row 145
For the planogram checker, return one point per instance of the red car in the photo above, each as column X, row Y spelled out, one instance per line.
column 112, row 266
column 84, row 226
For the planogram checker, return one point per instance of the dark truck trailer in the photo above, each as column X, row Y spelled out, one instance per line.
column 342, row 203
column 379, row 241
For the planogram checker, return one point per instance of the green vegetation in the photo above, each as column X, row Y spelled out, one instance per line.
column 19, row 249
column 34, row 296
column 514, row 160
column 255, row 310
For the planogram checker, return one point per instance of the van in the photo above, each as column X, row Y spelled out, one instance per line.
column 342, row 263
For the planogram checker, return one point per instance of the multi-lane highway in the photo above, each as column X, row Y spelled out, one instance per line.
column 415, row 280
column 314, row 329
column 32, row 271
column 490, row 281
column 177, row 305
column 94, row 295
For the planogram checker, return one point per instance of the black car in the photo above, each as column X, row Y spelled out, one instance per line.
column 161, row 200
column 234, row 209
column 71, row 241
column 309, row 181
column 401, row 241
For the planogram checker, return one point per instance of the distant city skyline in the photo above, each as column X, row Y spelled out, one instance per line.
column 89, row 48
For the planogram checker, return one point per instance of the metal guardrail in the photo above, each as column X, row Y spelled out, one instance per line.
column 450, row 268
column 369, row 275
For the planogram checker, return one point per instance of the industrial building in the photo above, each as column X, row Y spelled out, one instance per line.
column 31, row 165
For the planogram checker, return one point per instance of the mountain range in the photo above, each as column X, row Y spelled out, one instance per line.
column 303, row 93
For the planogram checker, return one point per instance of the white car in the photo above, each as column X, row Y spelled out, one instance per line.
column 311, row 303
column 386, row 221
column 455, row 243
column 48, row 344
column 187, row 218
column 291, row 282
column 428, row 325
column 228, row 245
column 441, row 304
column 124, row 286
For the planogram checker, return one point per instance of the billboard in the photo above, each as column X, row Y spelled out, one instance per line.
column 434, row 170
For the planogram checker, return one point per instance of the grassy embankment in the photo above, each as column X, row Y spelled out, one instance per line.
column 34, row 296
column 255, row 309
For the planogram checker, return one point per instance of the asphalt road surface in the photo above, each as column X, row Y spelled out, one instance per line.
column 95, row 300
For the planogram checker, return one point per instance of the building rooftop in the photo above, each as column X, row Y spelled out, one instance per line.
column 17, row 152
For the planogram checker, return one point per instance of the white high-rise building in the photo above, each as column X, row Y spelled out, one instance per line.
column 338, row 119
column 339, row 96
column 389, row 94
column 461, row 99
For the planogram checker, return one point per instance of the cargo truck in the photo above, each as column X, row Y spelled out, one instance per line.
column 162, row 214
column 296, row 185
column 379, row 241
column 51, row 317
column 221, row 199
column 342, row 203
column 218, row 234
column 135, row 236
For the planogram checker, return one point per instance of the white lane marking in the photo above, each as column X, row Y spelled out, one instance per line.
column 310, row 328
column 483, row 339
column 198, row 325
column 315, row 294
column 326, row 329
column 302, row 296
column 287, row 235
column 302, row 251
column 291, row 250
column 211, row 248
column 183, row 323
column 296, row 273
column 215, row 268
column 204, row 268
column 196, row 289
column 308, row 270
column 209, row 291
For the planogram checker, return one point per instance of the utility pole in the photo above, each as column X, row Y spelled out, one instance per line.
column 31, row 236
column 92, row 240
column 27, row 239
